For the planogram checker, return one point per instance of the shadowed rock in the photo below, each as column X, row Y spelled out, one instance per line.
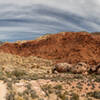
column 95, row 69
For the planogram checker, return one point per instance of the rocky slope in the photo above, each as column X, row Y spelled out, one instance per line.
column 71, row 47
column 30, row 78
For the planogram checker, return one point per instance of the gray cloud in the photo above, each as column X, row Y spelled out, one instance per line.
column 28, row 19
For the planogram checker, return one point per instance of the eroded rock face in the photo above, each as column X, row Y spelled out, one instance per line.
column 62, row 67
column 80, row 68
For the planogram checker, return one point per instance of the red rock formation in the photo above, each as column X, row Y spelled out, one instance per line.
column 71, row 47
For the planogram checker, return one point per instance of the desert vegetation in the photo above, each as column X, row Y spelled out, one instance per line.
column 37, row 82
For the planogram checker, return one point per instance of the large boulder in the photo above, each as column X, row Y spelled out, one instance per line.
column 62, row 67
column 80, row 68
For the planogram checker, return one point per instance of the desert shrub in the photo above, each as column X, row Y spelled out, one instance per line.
column 9, row 85
column 20, row 94
column 89, row 98
column 97, row 78
column 58, row 93
column 26, row 92
column 59, row 87
column 78, row 76
column 61, row 95
column 10, row 96
column 95, row 94
column 34, row 77
column 18, row 73
column 30, row 92
column 74, row 97
column 19, row 98
column 8, row 74
column 33, row 94
column 1, row 71
column 1, row 74
column 26, row 97
column 29, row 86
column 79, row 85
column 47, row 89
column 40, row 99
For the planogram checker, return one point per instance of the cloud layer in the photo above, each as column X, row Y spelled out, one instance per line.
column 28, row 19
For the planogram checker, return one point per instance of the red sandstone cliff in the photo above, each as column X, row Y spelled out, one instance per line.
column 70, row 47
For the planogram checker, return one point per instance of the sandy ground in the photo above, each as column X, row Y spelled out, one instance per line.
column 3, row 91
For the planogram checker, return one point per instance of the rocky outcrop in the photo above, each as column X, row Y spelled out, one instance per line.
column 80, row 68
column 62, row 67
column 71, row 47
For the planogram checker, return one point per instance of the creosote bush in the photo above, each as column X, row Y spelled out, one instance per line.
column 74, row 96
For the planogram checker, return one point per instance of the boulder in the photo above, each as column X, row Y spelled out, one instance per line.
column 80, row 68
column 61, row 67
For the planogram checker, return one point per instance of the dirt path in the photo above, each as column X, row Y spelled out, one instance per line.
column 3, row 91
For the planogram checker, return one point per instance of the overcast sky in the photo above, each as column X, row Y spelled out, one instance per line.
column 28, row 19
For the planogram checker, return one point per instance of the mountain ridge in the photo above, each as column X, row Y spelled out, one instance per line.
column 71, row 47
